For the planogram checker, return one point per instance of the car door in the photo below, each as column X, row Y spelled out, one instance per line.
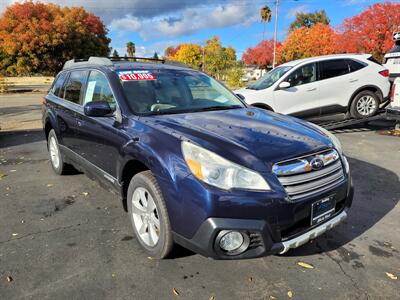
column 100, row 138
column 302, row 97
column 69, row 106
column 336, row 85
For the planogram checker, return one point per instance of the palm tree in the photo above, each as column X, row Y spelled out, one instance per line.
column 266, row 16
column 130, row 49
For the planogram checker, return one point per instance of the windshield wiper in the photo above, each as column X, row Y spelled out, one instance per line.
column 216, row 107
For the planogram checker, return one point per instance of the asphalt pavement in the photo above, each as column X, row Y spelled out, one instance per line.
column 64, row 237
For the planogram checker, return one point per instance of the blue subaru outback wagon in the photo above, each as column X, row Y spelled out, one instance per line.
column 193, row 164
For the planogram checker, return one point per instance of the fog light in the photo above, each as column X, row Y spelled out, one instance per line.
column 231, row 241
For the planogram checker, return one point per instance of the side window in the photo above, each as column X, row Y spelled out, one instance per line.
column 98, row 89
column 303, row 75
column 333, row 68
column 74, row 86
column 57, row 86
column 355, row 65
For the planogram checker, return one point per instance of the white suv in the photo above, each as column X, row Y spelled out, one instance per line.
column 322, row 85
column 393, row 110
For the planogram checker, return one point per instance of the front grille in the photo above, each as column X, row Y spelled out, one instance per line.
column 309, row 175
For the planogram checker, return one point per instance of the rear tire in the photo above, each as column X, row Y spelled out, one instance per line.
column 56, row 159
column 149, row 216
column 364, row 105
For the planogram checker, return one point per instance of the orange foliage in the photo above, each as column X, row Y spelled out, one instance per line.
column 261, row 54
column 302, row 42
column 371, row 31
column 38, row 38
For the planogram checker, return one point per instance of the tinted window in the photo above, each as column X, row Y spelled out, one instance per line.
column 57, row 87
column 303, row 75
column 333, row 68
column 355, row 65
column 98, row 89
column 74, row 86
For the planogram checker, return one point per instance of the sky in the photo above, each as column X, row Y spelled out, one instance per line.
column 153, row 25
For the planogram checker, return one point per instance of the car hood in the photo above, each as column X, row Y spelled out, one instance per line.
column 245, row 134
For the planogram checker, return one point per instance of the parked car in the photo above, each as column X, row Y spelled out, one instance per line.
column 331, row 84
column 391, row 60
column 193, row 164
column 393, row 110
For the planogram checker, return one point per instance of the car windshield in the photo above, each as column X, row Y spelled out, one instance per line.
column 269, row 79
column 166, row 91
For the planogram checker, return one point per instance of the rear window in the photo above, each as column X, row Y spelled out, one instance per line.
column 74, row 86
column 371, row 58
column 57, row 86
column 333, row 68
column 355, row 65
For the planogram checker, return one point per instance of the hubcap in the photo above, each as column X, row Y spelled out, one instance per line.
column 54, row 153
column 145, row 216
column 366, row 105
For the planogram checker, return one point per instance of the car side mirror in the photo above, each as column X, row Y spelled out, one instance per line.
column 284, row 85
column 97, row 109
column 241, row 96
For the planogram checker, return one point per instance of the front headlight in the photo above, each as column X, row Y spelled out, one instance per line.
column 220, row 172
column 332, row 137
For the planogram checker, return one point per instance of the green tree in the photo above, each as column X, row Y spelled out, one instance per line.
column 309, row 19
column 234, row 77
column 189, row 54
column 155, row 56
column 218, row 59
column 266, row 16
column 130, row 49
column 115, row 53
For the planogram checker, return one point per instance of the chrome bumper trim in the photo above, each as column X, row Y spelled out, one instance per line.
column 312, row 234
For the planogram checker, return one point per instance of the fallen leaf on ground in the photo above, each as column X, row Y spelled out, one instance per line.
column 12, row 171
column 305, row 265
column 391, row 276
column 9, row 278
column 49, row 185
column 2, row 175
column 212, row 297
column 175, row 292
column 290, row 294
column 250, row 279
column 85, row 193
column 14, row 234
column 272, row 297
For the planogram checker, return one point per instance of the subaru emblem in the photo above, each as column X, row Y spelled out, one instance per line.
column 317, row 164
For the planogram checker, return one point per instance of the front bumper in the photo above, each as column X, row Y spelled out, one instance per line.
column 261, row 234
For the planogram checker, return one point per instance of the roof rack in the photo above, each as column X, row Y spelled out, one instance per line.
column 109, row 61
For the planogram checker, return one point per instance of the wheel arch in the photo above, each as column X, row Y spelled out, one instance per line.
column 372, row 88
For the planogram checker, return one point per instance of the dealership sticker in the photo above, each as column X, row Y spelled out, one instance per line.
column 136, row 75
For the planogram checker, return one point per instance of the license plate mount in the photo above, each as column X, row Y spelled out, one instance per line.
column 322, row 210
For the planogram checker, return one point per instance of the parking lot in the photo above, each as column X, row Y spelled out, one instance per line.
column 67, row 238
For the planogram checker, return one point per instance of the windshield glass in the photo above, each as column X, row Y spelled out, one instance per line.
column 269, row 79
column 174, row 91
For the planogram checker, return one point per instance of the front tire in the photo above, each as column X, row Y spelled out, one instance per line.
column 149, row 215
column 56, row 159
column 364, row 105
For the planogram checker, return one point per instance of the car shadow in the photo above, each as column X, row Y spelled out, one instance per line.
column 376, row 194
column 20, row 137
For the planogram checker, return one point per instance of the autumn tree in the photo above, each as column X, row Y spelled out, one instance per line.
column 302, row 42
column 260, row 55
column 190, row 54
column 170, row 51
column 370, row 31
column 38, row 38
column 309, row 19
column 218, row 59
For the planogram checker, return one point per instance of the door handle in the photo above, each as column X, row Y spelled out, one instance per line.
column 353, row 80
column 311, row 89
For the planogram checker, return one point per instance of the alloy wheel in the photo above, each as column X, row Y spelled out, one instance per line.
column 54, row 152
column 366, row 105
column 145, row 216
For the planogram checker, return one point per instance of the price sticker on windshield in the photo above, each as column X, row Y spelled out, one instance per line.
column 138, row 75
